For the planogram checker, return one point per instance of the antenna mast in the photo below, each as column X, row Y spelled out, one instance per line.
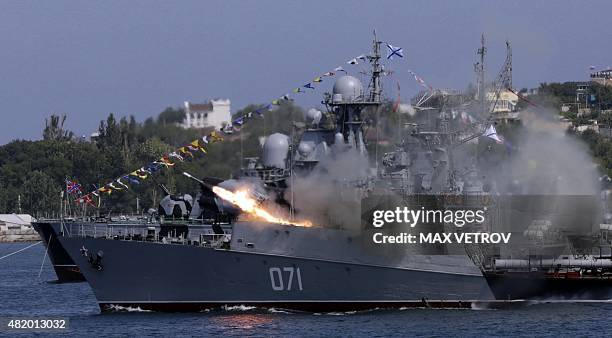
column 508, row 65
column 479, row 67
column 376, row 70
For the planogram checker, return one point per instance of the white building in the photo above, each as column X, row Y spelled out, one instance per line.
column 17, row 228
column 211, row 114
column 603, row 77
column 504, row 108
column 15, row 221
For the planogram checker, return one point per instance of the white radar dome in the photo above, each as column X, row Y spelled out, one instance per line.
column 349, row 87
column 275, row 151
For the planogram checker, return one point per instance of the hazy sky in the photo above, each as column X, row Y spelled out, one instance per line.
column 88, row 59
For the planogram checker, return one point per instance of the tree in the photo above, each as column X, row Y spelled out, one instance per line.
column 40, row 194
column 54, row 129
column 36, row 169
column 171, row 115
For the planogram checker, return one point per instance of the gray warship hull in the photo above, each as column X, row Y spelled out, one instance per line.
column 178, row 277
column 65, row 269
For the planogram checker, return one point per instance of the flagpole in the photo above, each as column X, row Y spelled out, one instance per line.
column 61, row 216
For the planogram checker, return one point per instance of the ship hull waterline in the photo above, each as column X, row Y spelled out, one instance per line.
column 177, row 278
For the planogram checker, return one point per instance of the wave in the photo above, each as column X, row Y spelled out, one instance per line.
column 119, row 308
column 238, row 308
column 273, row 310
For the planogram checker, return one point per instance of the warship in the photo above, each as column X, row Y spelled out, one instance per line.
column 328, row 263
column 557, row 251
column 205, row 252
column 554, row 263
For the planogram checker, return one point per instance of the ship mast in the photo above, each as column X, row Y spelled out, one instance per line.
column 348, row 109
column 479, row 68
column 375, row 89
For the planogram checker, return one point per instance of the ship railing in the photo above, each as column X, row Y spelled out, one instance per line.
column 128, row 232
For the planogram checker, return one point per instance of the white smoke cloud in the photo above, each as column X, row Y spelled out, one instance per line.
column 405, row 108
column 327, row 195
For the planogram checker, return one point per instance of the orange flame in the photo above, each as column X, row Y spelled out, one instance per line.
column 247, row 204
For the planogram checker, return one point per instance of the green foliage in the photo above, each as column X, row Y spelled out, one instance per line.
column 36, row 170
column 54, row 129
column 171, row 115
column 40, row 194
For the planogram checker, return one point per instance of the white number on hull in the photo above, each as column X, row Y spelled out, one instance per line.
column 277, row 280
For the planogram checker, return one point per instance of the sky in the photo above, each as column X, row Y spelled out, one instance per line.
column 88, row 59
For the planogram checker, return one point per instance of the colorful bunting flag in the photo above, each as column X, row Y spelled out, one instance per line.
column 174, row 154
column 112, row 185
column 105, row 190
column 139, row 173
column 184, row 151
column 179, row 154
column 165, row 162
column 239, row 121
column 215, row 137
column 198, row 146
column 121, row 183
column 152, row 167
column 420, row 81
column 228, row 129
column 131, row 179
column 85, row 199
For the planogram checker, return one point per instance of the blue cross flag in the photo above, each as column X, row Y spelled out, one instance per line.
column 394, row 51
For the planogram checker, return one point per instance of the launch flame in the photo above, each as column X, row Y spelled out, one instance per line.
column 247, row 204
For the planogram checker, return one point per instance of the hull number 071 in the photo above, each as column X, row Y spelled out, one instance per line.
column 285, row 279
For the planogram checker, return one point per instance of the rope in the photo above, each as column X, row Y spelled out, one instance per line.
column 45, row 257
column 20, row 250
